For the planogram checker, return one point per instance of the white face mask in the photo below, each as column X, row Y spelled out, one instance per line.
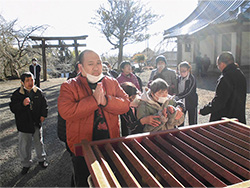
column 160, row 66
column 162, row 99
column 93, row 79
column 135, row 102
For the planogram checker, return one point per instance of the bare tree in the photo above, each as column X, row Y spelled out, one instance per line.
column 123, row 22
column 15, row 45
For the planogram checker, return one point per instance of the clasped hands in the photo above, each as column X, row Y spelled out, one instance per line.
column 179, row 112
column 99, row 94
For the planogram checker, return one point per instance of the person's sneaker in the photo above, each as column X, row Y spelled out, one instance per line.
column 44, row 164
column 25, row 170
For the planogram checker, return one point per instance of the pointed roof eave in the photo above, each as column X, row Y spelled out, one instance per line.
column 200, row 19
column 186, row 33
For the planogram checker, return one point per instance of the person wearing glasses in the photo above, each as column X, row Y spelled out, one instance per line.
column 187, row 91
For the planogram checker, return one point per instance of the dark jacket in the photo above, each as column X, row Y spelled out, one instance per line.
column 168, row 75
column 139, row 81
column 38, row 70
column 130, row 124
column 114, row 73
column 27, row 119
column 37, row 75
column 230, row 96
column 189, row 93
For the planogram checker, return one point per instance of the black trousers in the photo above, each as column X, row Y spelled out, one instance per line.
column 192, row 116
column 37, row 82
column 81, row 172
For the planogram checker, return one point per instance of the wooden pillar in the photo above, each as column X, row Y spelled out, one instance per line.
column 196, row 49
column 238, row 43
column 215, row 51
column 76, row 49
column 179, row 50
column 44, row 60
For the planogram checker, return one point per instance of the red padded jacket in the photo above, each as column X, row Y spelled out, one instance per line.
column 77, row 105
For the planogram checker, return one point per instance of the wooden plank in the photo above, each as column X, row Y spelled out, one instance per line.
column 139, row 166
column 195, row 156
column 234, row 133
column 57, row 45
column 106, row 168
column 193, row 181
column 213, row 166
column 229, row 137
column 94, row 167
column 58, row 38
column 229, row 164
column 141, row 136
column 187, row 161
column 220, row 149
column 162, row 171
column 225, row 143
column 121, row 166
column 242, row 130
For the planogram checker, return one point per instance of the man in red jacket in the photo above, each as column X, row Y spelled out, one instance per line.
column 90, row 103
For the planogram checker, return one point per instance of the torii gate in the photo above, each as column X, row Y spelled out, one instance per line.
column 59, row 45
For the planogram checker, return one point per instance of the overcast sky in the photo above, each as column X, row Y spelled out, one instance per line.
column 71, row 17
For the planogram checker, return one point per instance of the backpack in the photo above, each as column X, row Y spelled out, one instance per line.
column 61, row 128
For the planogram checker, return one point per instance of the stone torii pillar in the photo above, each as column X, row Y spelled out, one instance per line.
column 43, row 45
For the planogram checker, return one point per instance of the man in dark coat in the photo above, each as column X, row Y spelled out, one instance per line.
column 230, row 96
column 35, row 69
column 30, row 107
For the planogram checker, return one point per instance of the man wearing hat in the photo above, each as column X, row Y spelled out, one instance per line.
column 35, row 69
column 165, row 73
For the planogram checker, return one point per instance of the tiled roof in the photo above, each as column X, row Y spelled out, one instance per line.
column 209, row 13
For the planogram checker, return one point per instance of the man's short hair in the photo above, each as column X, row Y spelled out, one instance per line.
column 81, row 56
column 26, row 75
column 158, row 84
column 123, row 64
column 226, row 57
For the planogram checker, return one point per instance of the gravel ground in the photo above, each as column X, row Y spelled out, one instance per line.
column 58, row 174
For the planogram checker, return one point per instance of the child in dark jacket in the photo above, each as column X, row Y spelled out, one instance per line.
column 187, row 91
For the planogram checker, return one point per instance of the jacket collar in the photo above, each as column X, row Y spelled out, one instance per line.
column 128, row 76
column 229, row 68
column 22, row 89
column 146, row 97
